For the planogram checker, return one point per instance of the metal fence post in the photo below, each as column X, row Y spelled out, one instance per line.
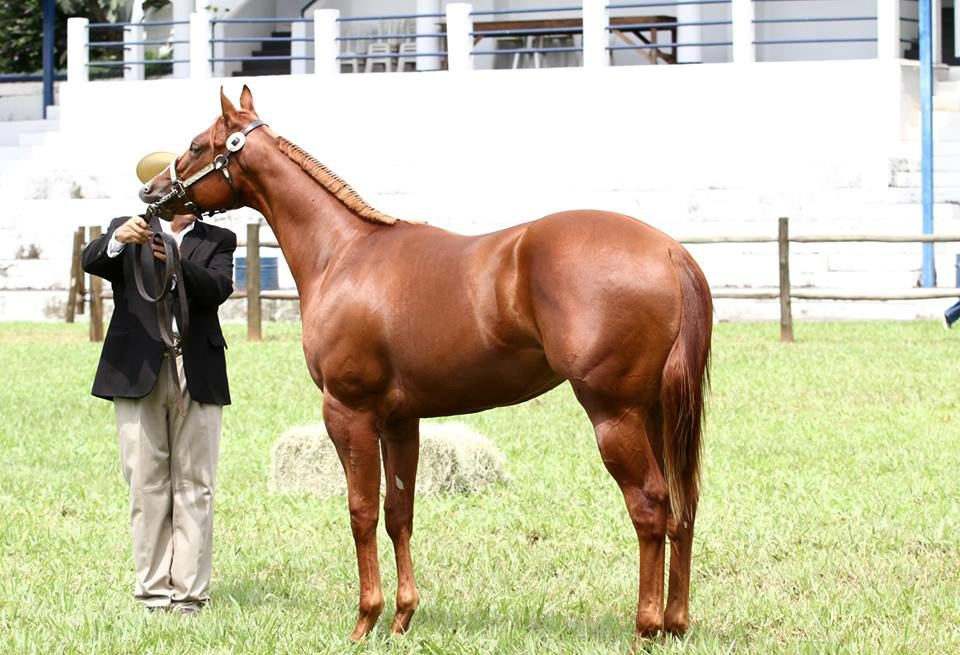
column 199, row 45
column 459, row 41
column 49, row 26
column 744, row 34
column 254, row 325
column 786, row 314
column 78, row 55
column 96, row 295
column 596, row 17
column 326, row 48
column 928, row 272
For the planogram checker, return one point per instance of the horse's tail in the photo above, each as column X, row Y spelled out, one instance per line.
column 686, row 375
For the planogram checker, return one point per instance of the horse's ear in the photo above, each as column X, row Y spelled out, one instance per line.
column 246, row 100
column 229, row 111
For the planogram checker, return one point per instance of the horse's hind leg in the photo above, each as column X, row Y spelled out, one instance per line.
column 622, row 436
column 677, row 617
column 401, row 451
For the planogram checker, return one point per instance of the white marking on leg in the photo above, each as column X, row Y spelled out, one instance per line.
column 399, row 482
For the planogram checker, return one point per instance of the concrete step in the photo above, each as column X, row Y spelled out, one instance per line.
column 41, row 139
column 913, row 179
column 942, row 163
column 945, row 130
column 11, row 131
column 16, row 153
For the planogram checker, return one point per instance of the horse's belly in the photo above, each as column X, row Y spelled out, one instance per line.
column 474, row 384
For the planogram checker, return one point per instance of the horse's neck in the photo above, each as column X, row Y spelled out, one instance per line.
column 311, row 225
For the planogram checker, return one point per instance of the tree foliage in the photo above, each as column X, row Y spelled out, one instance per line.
column 99, row 11
column 21, row 36
column 21, row 28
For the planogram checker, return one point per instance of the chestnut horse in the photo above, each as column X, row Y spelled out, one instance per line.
column 403, row 321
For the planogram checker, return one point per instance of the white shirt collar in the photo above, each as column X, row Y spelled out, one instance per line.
column 167, row 226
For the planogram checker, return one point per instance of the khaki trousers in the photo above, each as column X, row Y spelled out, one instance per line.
column 170, row 464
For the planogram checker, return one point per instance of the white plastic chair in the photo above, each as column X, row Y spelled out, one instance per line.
column 378, row 54
column 404, row 60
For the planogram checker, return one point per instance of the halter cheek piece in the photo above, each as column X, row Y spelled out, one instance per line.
column 178, row 190
column 165, row 274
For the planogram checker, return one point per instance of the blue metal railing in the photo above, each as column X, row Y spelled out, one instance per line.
column 910, row 30
column 531, row 10
column 529, row 35
column 28, row 77
column 790, row 29
column 396, row 55
column 143, row 23
column 719, row 34
column 353, row 19
column 273, row 20
column 108, row 45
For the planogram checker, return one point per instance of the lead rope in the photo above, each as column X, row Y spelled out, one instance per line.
column 164, row 275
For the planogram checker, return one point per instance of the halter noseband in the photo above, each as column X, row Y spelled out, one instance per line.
column 178, row 190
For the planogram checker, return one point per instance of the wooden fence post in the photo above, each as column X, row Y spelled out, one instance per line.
column 786, row 315
column 75, row 274
column 96, row 296
column 254, row 326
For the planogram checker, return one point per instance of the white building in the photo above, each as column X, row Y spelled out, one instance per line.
column 734, row 113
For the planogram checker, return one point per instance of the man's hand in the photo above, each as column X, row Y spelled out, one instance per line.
column 158, row 251
column 134, row 230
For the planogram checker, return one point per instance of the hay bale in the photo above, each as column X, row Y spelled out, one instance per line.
column 453, row 459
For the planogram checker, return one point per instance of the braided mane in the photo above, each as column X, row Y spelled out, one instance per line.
column 333, row 183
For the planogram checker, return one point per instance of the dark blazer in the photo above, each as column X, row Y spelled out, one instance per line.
column 133, row 351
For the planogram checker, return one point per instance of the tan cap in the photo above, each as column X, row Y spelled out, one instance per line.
column 154, row 163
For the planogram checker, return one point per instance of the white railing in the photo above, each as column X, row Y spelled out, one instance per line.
column 460, row 44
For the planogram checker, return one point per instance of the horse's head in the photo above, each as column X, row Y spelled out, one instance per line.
column 201, row 180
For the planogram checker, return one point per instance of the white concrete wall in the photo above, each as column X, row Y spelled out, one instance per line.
column 23, row 101
column 773, row 126
column 695, row 150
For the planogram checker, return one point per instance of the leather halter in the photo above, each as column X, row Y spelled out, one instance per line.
column 178, row 190
column 164, row 275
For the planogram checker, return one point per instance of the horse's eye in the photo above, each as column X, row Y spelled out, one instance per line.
column 194, row 148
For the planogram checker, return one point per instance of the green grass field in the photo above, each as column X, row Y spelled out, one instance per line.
column 830, row 520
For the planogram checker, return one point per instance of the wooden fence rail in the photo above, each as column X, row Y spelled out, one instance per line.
column 254, row 294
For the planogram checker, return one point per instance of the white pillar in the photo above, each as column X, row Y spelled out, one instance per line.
column 459, row 41
column 199, row 45
column 744, row 51
column 182, row 10
column 133, row 72
column 326, row 29
column 596, row 38
column 78, row 55
column 888, row 30
column 936, row 10
column 690, row 33
column 956, row 26
column 428, row 26
column 298, row 47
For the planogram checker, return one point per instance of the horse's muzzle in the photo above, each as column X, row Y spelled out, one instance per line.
column 148, row 194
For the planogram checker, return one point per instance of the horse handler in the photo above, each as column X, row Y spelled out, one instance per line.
column 169, row 460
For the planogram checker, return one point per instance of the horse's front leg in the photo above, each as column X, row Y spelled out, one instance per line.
column 401, row 451
column 355, row 434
